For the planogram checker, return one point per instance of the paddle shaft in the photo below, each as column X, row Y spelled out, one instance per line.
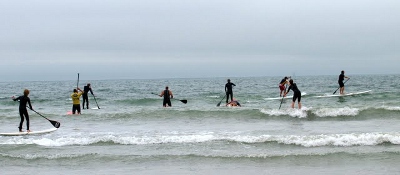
column 343, row 83
column 283, row 96
column 77, row 83
column 54, row 123
column 221, row 100
column 96, row 101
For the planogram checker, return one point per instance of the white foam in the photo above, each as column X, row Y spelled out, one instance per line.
column 352, row 139
column 334, row 112
column 390, row 108
column 49, row 156
column 293, row 112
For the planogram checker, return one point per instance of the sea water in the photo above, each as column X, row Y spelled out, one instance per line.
column 132, row 133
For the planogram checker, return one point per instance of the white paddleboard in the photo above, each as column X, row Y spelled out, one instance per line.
column 346, row 94
column 288, row 96
column 28, row 133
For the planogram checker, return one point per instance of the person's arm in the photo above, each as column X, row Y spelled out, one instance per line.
column 90, row 89
column 172, row 96
column 15, row 99
column 233, row 84
column 162, row 93
column 226, row 86
column 29, row 102
column 290, row 87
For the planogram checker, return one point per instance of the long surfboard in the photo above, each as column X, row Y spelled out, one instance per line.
column 342, row 95
column 288, row 96
column 27, row 133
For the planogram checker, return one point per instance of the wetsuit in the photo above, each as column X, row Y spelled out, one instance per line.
column 228, row 90
column 340, row 81
column 86, row 90
column 76, row 103
column 23, row 100
column 297, row 93
column 167, row 99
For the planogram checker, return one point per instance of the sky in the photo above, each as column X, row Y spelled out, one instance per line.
column 43, row 40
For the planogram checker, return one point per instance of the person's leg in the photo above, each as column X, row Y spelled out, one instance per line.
column 27, row 120
column 73, row 109
column 78, row 108
column 85, row 100
column 21, row 121
column 299, row 100
column 341, row 85
column 227, row 97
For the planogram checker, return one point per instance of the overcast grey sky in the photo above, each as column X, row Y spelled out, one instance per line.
column 112, row 39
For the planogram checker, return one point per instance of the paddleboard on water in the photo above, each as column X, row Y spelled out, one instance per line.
column 346, row 94
column 28, row 133
column 288, row 96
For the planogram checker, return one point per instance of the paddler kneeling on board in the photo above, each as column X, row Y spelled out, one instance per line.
column 234, row 102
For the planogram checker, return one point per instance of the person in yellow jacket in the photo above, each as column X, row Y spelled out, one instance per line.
column 76, row 101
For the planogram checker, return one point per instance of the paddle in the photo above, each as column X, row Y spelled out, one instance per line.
column 183, row 101
column 56, row 124
column 281, row 102
column 343, row 83
column 96, row 101
column 221, row 101
column 77, row 83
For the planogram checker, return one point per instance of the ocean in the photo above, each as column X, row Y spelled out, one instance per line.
column 132, row 133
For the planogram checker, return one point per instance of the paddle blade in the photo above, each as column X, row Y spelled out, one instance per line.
column 56, row 124
column 184, row 101
column 218, row 104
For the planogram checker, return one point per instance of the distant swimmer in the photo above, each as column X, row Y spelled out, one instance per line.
column 228, row 90
column 340, row 81
column 23, row 101
column 86, row 90
column 282, row 87
column 234, row 102
column 296, row 95
column 167, row 94
column 76, row 102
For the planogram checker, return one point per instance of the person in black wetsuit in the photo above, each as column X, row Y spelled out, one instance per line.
column 296, row 95
column 340, row 81
column 86, row 90
column 23, row 100
column 228, row 90
column 167, row 94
